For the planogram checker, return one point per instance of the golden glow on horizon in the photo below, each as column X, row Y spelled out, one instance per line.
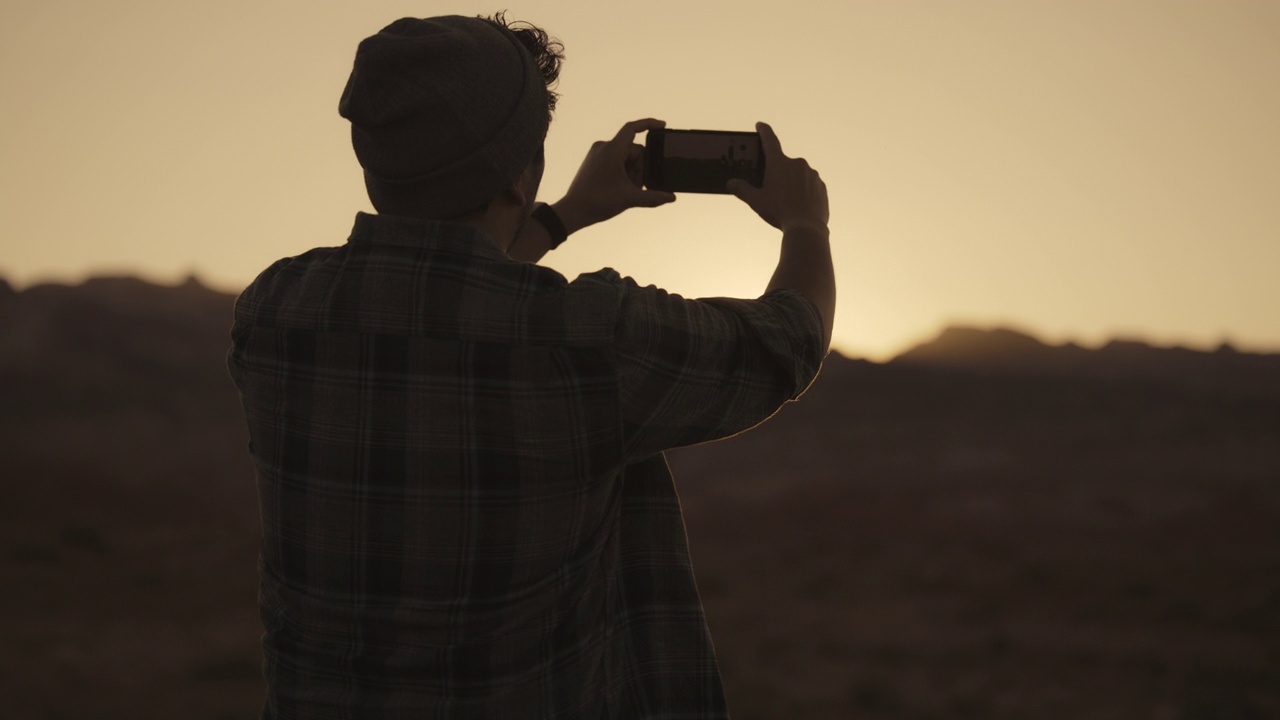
column 1080, row 169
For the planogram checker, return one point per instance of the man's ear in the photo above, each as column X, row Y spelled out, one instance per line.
column 524, row 190
column 518, row 192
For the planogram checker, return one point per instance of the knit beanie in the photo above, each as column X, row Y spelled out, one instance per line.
column 448, row 110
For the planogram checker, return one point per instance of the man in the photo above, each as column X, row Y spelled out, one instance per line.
column 466, row 511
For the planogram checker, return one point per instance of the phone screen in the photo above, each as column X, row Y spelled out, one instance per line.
column 701, row 160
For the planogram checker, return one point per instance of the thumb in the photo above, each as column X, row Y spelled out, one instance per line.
column 654, row 198
column 741, row 189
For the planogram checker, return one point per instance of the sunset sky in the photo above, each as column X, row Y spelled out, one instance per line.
column 1081, row 169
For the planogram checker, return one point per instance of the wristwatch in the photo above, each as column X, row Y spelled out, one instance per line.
column 551, row 221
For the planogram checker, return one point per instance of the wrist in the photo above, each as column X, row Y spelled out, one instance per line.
column 570, row 215
column 807, row 228
column 549, row 219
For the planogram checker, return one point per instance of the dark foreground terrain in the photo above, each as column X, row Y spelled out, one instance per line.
column 986, row 527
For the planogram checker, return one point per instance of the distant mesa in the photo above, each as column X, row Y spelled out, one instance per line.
column 1006, row 351
column 125, row 285
column 999, row 349
column 962, row 344
column 125, row 293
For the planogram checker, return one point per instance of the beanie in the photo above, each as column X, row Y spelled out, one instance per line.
column 447, row 109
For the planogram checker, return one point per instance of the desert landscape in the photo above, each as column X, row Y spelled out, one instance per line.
column 986, row 526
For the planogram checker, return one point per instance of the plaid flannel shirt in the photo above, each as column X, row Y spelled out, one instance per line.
column 465, row 508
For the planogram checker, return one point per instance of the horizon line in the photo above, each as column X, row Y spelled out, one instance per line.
column 1225, row 342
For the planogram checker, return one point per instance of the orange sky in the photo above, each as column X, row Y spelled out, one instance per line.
column 1082, row 169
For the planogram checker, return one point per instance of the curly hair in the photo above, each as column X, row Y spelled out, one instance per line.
column 547, row 51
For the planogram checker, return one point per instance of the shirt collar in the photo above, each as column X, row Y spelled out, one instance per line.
column 453, row 237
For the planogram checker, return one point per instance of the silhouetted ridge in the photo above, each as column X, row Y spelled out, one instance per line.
column 970, row 345
column 114, row 342
column 1005, row 351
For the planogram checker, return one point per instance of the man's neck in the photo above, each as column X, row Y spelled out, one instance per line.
column 500, row 228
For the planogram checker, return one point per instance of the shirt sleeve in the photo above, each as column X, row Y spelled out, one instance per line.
column 691, row 371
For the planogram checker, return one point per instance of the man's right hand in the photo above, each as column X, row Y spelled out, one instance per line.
column 609, row 180
column 792, row 195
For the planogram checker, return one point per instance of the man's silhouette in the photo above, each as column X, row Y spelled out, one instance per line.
column 466, row 510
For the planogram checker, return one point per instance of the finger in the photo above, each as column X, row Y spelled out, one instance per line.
column 769, row 141
column 634, row 164
column 629, row 131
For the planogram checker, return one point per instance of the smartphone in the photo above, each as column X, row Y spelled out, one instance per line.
column 701, row 161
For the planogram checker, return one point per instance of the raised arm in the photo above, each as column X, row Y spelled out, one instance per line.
column 793, row 199
column 608, row 182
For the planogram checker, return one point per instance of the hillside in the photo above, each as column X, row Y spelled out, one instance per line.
column 1225, row 372
column 985, row 527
